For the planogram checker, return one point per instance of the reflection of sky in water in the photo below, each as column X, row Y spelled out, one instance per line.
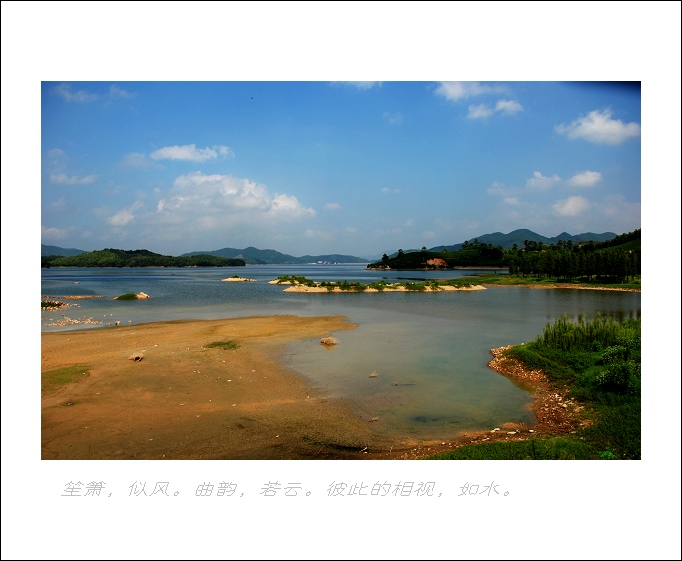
column 429, row 350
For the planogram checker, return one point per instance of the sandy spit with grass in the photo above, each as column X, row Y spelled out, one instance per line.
column 444, row 288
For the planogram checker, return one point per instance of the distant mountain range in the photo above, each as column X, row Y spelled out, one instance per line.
column 517, row 237
column 63, row 251
column 255, row 256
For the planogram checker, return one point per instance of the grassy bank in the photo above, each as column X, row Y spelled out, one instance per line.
column 533, row 280
column 596, row 363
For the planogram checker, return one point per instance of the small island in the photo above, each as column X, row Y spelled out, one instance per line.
column 133, row 296
column 303, row 284
column 237, row 278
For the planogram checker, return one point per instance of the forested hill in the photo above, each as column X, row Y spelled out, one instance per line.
column 519, row 237
column 614, row 260
column 136, row 258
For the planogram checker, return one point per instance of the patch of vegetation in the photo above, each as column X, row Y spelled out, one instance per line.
column 597, row 363
column 229, row 345
column 52, row 380
column 128, row 296
column 51, row 304
column 556, row 448
column 294, row 279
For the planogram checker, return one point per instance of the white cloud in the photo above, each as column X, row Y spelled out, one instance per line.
column 481, row 111
column 454, row 91
column 541, row 183
column 600, row 128
column 410, row 222
column 288, row 206
column 190, row 153
column 573, row 206
column 503, row 106
column 585, row 179
column 124, row 216
column 508, row 107
column 511, row 201
column 387, row 190
column 64, row 90
column 196, row 193
column 428, row 234
column 332, row 206
column 63, row 179
column 393, row 118
column 52, row 233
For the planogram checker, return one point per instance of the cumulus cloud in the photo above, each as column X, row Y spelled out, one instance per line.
column 208, row 194
column 190, row 153
column 508, row 107
column 80, row 96
column 541, row 183
column 52, row 233
column 124, row 216
column 454, row 91
column 393, row 118
column 600, row 128
column 387, row 190
column 585, row 179
column 513, row 201
column 573, row 206
column 63, row 179
column 332, row 206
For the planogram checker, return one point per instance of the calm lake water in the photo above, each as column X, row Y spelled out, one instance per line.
column 429, row 350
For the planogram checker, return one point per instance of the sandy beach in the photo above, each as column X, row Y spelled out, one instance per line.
column 157, row 391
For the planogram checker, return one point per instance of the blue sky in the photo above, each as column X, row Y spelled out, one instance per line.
column 315, row 167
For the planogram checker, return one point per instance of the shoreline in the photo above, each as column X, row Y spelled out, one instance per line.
column 555, row 415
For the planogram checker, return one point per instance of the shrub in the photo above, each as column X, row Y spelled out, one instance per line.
column 229, row 345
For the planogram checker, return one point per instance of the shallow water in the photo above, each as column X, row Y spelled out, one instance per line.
column 429, row 350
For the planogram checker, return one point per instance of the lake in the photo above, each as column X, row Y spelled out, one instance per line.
column 427, row 352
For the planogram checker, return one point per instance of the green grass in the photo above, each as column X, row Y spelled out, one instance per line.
column 229, row 345
column 514, row 280
column 128, row 296
column 556, row 448
column 53, row 380
column 598, row 364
